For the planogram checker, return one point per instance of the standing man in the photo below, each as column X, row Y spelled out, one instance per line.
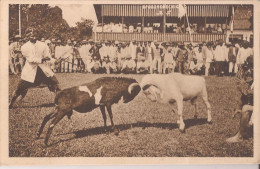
column 209, row 58
column 149, row 54
column 35, row 70
column 220, row 54
column 52, row 48
column 181, row 58
column 232, row 59
column 132, row 50
column 157, row 58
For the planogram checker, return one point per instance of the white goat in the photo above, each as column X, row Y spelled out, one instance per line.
column 176, row 87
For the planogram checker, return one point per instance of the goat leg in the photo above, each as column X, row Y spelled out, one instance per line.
column 45, row 120
column 53, row 123
column 103, row 111
column 109, row 110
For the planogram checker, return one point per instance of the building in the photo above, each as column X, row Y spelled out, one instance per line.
column 147, row 22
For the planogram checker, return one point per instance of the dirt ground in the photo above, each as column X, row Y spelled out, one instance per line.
column 147, row 129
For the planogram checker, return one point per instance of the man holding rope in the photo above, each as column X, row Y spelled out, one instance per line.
column 35, row 71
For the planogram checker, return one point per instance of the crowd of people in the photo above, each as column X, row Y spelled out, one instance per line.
column 206, row 58
column 158, row 28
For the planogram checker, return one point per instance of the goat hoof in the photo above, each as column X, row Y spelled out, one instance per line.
column 209, row 122
column 195, row 117
column 37, row 137
column 182, row 130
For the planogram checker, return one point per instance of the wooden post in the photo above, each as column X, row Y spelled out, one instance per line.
column 122, row 24
column 142, row 24
column 226, row 32
column 20, row 22
column 102, row 22
column 205, row 27
column 184, row 25
column 205, row 22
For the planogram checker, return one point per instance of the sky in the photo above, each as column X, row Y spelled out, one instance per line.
column 73, row 13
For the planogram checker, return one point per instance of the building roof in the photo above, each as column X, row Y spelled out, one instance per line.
column 156, row 10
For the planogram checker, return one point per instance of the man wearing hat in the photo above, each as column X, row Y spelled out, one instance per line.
column 132, row 49
column 220, row 57
column 95, row 65
column 157, row 61
column 149, row 55
column 104, row 50
column 124, row 51
column 35, row 71
column 52, row 47
column 112, row 51
column 88, row 56
column 168, row 63
column 243, row 53
column 232, row 59
column 181, row 54
column 209, row 54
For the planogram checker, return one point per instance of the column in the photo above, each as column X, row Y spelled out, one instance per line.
column 122, row 24
column 142, row 24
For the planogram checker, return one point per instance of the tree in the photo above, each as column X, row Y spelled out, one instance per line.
column 46, row 20
column 85, row 28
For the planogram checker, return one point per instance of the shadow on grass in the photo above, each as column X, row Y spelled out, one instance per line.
column 37, row 106
column 121, row 127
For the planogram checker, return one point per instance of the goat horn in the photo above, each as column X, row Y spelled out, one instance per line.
column 131, row 86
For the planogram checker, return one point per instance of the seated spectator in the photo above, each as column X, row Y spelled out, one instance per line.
column 139, row 28
column 131, row 29
column 209, row 29
column 219, row 29
column 129, row 65
column 174, row 29
column 106, row 65
column 195, row 67
column 96, row 65
column 142, row 66
column 178, row 30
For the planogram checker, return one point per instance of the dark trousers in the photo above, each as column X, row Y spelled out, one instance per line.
column 220, row 68
column 180, row 67
column 23, row 86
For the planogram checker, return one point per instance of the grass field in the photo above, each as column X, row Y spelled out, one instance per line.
column 147, row 129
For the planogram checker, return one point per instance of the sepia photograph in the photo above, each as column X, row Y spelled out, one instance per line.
column 131, row 79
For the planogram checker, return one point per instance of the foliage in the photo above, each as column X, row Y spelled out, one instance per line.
column 47, row 21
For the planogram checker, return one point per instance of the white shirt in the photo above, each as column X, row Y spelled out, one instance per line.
column 132, row 49
column 221, row 53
